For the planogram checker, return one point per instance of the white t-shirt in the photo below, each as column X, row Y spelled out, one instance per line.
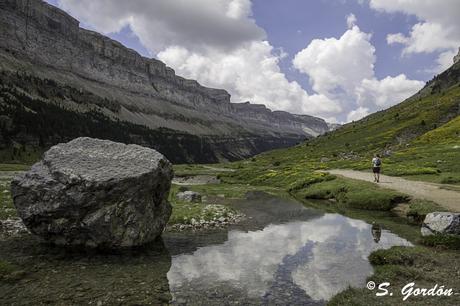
column 376, row 162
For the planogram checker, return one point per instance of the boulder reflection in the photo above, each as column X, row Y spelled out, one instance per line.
column 57, row 276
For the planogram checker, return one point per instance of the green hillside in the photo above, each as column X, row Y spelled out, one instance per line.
column 419, row 137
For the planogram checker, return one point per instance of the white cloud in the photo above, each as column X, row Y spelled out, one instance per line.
column 159, row 24
column 351, row 20
column 213, row 41
column 337, row 65
column 444, row 61
column 386, row 92
column 343, row 70
column 357, row 114
column 438, row 29
column 250, row 73
column 397, row 38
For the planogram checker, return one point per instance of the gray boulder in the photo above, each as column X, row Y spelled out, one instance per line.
column 441, row 223
column 189, row 196
column 96, row 193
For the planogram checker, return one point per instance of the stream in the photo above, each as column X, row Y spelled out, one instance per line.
column 282, row 254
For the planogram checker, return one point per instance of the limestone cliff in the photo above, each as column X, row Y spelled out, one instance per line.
column 91, row 73
column 457, row 57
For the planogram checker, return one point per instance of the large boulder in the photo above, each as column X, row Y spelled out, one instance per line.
column 441, row 223
column 96, row 193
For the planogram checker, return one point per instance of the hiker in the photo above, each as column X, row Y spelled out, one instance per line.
column 376, row 164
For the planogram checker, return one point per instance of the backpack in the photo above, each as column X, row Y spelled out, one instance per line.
column 378, row 162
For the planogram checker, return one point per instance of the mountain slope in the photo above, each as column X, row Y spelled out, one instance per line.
column 48, row 62
column 419, row 137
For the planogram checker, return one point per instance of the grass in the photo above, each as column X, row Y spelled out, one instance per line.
column 190, row 169
column 6, row 270
column 418, row 209
column 443, row 241
column 354, row 194
column 400, row 266
column 7, row 209
column 184, row 212
column 14, row 167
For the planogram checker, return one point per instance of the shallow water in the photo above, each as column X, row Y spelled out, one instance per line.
column 294, row 256
column 282, row 254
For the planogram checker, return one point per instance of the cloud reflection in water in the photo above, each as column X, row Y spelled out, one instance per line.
column 322, row 256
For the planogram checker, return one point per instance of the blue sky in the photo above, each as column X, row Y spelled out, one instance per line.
column 294, row 55
column 292, row 24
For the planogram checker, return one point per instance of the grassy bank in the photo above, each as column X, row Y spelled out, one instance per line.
column 400, row 266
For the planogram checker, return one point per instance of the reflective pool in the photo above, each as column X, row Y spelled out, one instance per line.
column 304, row 261
column 281, row 254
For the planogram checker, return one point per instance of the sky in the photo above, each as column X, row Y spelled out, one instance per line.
column 337, row 59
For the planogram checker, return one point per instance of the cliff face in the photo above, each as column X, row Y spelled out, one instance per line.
column 457, row 57
column 43, row 42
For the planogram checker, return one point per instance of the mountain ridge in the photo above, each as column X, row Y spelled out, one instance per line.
column 47, row 43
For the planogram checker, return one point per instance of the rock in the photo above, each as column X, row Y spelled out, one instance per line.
column 189, row 196
column 387, row 153
column 441, row 223
column 95, row 193
column 12, row 227
column 457, row 57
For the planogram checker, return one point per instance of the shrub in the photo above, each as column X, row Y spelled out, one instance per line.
column 445, row 241
column 394, row 256
column 183, row 188
column 450, row 180
column 418, row 209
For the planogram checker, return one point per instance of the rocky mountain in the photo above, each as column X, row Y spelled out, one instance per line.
column 457, row 57
column 59, row 81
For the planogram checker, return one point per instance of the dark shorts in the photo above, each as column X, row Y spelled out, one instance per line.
column 376, row 169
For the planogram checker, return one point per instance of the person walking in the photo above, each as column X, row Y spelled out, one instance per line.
column 376, row 165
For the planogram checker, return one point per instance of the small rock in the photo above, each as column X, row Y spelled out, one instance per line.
column 441, row 223
column 12, row 227
column 189, row 196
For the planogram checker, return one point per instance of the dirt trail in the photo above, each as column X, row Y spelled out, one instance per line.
column 420, row 190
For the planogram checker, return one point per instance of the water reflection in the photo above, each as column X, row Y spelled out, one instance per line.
column 302, row 262
column 376, row 230
column 56, row 276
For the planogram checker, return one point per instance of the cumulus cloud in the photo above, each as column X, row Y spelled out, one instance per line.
column 336, row 65
column 351, row 20
column 343, row 70
column 444, row 60
column 386, row 92
column 438, row 29
column 159, row 24
column 250, row 73
column 357, row 114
